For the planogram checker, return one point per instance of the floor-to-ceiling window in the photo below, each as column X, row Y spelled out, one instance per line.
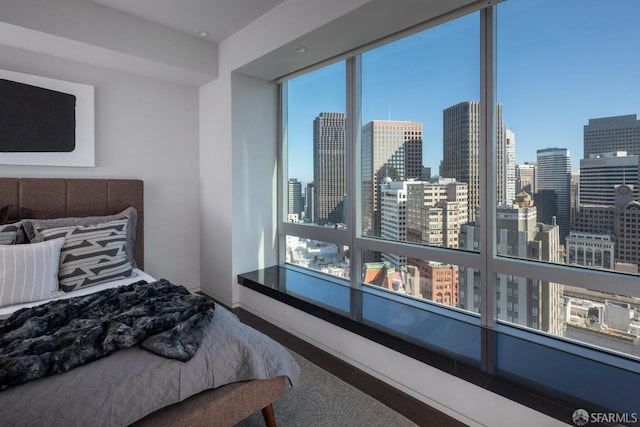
column 314, row 127
column 483, row 168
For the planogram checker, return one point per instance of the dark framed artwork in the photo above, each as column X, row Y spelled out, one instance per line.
column 45, row 121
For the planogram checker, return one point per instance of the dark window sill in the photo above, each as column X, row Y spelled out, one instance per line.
column 448, row 340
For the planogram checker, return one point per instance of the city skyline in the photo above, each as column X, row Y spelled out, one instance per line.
column 549, row 84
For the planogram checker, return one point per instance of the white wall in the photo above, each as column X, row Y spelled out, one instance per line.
column 215, row 166
column 238, row 181
column 146, row 129
column 254, row 126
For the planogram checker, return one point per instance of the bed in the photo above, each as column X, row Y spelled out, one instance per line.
column 235, row 372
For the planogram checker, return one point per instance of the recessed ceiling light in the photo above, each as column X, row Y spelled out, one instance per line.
column 301, row 49
column 203, row 33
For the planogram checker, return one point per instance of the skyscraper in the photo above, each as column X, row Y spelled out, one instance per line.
column 435, row 211
column 510, row 165
column 393, row 198
column 329, row 156
column 390, row 149
column 608, row 134
column 621, row 220
column 294, row 202
column 526, row 179
column 461, row 150
column 310, row 203
column 627, row 227
column 601, row 173
column 554, row 173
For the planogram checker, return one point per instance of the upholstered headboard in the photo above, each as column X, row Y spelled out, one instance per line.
column 63, row 197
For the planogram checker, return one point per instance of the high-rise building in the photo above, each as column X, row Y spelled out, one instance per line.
column 521, row 300
column 575, row 194
column 546, row 202
column 390, row 149
column 510, row 166
column 627, row 227
column 435, row 211
column 554, row 173
column 461, row 150
column 601, row 173
column 309, row 203
column 393, row 198
column 597, row 219
column 422, row 212
column 329, row 162
column 426, row 174
column 526, row 179
column 622, row 221
column 608, row 134
column 294, row 202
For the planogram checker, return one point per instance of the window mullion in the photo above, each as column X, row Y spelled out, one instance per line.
column 487, row 167
column 352, row 174
column 282, row 172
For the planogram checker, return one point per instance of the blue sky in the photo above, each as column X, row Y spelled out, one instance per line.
column 559, row 63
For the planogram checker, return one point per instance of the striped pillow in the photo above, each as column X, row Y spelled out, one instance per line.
column 29, row 272
column 9, row 233
column 91, row 254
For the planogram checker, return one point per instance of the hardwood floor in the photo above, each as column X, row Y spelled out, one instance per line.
column 402, row 403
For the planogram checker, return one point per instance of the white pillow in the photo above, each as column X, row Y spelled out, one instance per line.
column 29, row 272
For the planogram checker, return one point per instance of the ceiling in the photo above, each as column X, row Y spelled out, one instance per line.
column 219, row 18
column 138, row 43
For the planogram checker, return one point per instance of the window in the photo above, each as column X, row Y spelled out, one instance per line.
column 442, row 171
column 545, row 91
column 316, row 150
column 406, row 85
column 315, row 130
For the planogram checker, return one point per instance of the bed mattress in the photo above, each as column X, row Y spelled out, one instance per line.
column 129, row 384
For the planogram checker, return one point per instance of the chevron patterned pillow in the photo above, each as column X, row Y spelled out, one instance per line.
column 91, row 254
column 32, row 225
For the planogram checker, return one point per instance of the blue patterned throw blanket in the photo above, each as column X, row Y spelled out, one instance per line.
column 55, row 337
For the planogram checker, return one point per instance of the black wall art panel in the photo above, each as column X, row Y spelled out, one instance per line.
column 35, row 119
column 45, row 121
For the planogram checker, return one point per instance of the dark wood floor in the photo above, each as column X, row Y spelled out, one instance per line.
column 402, row 403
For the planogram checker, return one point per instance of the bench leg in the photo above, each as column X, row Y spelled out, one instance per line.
column 269, row 416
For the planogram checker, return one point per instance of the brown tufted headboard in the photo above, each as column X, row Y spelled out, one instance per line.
column 63, row 197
